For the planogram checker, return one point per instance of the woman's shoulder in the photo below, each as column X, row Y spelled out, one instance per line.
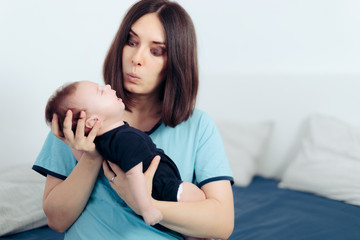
column 199, row 116
column 198, row 123
column 200, row 119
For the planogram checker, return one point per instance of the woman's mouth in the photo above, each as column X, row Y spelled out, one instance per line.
column 133, row 77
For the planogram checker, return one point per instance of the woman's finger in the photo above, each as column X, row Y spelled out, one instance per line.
column 67, row 129
column 150, row 172
column 116, row 169
column 107, row 171
column 80, row 128
column 93, row 133
column 55, row 127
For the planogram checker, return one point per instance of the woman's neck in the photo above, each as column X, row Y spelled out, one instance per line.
column 145, row 113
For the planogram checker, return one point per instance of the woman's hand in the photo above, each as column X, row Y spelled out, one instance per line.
column 77, row 141
column 118, row 181
column 77, row 154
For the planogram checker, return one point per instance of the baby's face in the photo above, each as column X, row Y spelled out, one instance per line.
column 100, row 100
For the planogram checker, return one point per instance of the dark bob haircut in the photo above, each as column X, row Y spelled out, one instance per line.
column 181, row 81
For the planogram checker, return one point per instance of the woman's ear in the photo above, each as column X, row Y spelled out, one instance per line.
column 90, row 122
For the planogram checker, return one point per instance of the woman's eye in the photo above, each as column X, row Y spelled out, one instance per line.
column 131, row 42
column 158, row 51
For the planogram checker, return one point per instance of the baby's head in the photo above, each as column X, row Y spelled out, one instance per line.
column 100, row 103
column 58, row 104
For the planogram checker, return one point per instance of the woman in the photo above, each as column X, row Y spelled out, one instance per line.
column 152, row 63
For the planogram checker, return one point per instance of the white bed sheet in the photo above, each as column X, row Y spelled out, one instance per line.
column 21, row 191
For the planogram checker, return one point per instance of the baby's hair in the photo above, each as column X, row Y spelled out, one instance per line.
column 57, row 103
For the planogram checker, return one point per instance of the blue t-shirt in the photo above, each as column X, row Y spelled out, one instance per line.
column 194, row 145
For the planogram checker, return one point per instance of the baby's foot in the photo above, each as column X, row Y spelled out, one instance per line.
column 152, row 216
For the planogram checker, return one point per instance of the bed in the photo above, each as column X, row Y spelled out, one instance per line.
column 295, row 161
column 265, row 211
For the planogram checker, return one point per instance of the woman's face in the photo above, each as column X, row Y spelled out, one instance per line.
column 144, row 56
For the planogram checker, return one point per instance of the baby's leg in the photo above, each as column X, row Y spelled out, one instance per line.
column 138, row 188
column 188, row 192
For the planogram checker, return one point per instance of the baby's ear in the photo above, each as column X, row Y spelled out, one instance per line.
column 90, row 122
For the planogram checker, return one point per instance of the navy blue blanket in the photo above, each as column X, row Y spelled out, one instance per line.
column 43, row 233
column 263, row 211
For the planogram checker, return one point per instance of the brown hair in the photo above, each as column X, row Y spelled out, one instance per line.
column 181, row 71
column 57, row 104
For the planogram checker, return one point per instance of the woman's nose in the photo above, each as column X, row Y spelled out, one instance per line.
column 138, row 58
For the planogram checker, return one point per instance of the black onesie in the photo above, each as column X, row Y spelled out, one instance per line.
column 127, row 146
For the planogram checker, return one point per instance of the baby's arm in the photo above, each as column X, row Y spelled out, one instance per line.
column 138, row 188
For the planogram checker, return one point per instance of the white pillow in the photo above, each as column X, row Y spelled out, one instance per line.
column 244, row 144
column 328, row 163
column 21, row 192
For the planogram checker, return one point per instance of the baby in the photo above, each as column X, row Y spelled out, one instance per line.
column 131, row 149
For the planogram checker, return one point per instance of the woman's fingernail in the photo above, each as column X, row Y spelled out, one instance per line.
column 82, row 114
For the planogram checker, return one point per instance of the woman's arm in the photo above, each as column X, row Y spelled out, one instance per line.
column 64, row 201
column 211, row 218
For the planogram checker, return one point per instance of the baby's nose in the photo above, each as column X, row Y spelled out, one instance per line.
column 107, row 87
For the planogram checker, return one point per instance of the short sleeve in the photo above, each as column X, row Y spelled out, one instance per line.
column 55, row 158
column 127, row 149
column 211, row 163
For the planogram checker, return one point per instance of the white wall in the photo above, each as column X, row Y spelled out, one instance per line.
column 242, row 45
